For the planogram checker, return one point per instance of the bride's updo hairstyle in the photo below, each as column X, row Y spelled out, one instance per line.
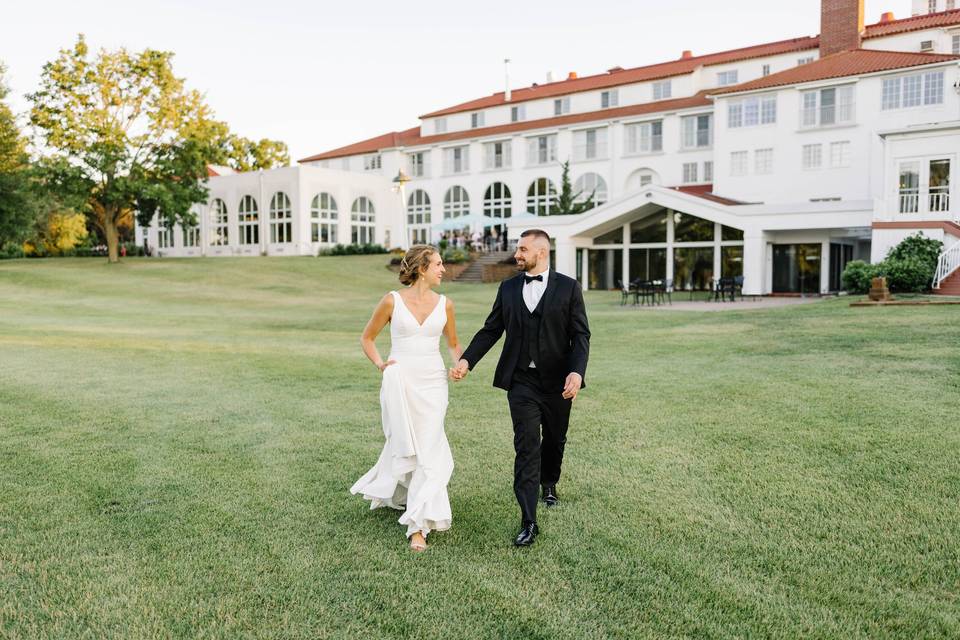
column 416, row 260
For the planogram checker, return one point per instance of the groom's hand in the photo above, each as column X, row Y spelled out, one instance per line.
column 460, row 371
column 572, row 386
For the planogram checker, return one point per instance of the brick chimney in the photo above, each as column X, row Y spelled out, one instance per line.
column 841, row 25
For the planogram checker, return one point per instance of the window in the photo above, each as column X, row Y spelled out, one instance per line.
column 644, row 137
column 738, row 163
column 371, row 162
column 345, row 164
column 542, row 149
column 806, row 60
column 939, row 183
column 708, row 171
column 662, row 90
column 697, row 131
column 826, row 107
column 440, row 125
column 456, row 160
column 725, row 78
column 496, row 201
column 912, row 90
column 750, row 112
column 840, row 154
column 418, row 216
column 689, row 172
column 812, row 156
column 609, row 98
column 219, row 227
column 765, row 70
column 763, row 161
column 956, row 45
column 496, row 155
column 951, row 5
column 281, row 219
column 931, row 6
column 909, row 188
column 476, row 119
column 561, row 106
column 418, row 164
column 541, row 197
column 518, row 113
column 164, row 231
column 323, row 218
column 926, row 46
column 191, row 235
column 363, row 219
column 249, row 221
column 590, row 144
column 590, row 185
column 456, row 202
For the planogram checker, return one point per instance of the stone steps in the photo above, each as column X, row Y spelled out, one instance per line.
column 474, row 273
column 950, row 286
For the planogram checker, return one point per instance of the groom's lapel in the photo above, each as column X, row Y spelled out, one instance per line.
column 551, row 288
column 518, row 304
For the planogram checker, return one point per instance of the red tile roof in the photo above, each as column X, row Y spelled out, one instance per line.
column 915, row 23
column 411, row 137
column 840, row 65
column 615, row 78
column 705, row 191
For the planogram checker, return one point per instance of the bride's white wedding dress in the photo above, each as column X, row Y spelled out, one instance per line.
column 415, row 465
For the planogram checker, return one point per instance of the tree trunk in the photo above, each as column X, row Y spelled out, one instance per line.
column 113, row 237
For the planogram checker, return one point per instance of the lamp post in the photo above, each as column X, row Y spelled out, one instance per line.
column 399, row 184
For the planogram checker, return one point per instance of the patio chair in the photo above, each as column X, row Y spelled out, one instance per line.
column 643, row 291
column 738, row 286
column 666, row 290
column 625, row 292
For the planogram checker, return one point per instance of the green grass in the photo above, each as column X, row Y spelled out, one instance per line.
column 177, row 440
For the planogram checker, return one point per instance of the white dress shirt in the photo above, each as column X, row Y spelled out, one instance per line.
column 532, row 292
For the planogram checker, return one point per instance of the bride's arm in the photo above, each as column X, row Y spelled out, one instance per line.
column 379, row 319
column 450, row 331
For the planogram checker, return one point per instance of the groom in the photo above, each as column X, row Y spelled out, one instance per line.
column 541, row 367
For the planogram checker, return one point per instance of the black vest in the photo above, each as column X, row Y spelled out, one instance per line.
column 530, row 343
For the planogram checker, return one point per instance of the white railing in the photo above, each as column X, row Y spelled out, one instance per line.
column 940, row 198
column 948, row 263
column 909, row 200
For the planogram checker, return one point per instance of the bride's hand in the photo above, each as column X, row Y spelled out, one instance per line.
column 385, row 365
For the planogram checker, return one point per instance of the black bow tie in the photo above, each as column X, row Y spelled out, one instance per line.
column 528, row 279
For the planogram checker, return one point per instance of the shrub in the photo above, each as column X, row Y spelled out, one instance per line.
column 857, row 275
column 11, row 251
column 352, row 250
column 455, row 256
column 919, row 247
column 908, row 275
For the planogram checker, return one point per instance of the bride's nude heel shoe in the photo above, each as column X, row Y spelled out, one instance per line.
column 418, row 546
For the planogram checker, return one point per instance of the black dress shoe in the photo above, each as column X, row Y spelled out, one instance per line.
column 550, row 495
column 528, row 533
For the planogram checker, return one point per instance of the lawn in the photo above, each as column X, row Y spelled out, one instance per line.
column 177, row 440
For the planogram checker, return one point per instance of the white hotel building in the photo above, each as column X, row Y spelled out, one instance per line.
column 779, row 162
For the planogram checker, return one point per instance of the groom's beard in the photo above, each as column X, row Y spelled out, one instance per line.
column 526, row 265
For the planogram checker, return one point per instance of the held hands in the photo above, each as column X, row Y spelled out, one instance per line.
column 460, row 371
column 383, row 365
column 572, row 386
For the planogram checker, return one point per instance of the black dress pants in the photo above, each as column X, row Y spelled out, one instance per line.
column 538, row 459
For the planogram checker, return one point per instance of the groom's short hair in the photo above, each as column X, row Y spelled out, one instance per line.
column 536, row 233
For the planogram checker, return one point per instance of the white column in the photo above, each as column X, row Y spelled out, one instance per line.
column 670, row 238
column 754, row 263
column 625, row 258
column 584, row 267
column 717, row 251
column 566, row 258
column 825, row 266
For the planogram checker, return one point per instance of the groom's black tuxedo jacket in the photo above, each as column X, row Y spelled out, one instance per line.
column 564, row 340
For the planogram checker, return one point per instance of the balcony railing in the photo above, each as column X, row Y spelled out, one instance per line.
column 589, row 151
column 940, row 198
column 909, row 200
column 936, row 199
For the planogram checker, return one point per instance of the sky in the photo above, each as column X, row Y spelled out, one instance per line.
column 319, row 75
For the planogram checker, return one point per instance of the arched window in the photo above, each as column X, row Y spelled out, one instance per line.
column 591, row 184
column 191, row 234
column 249, row 221
column 363, row 218
column 418, row 216
column 281, row 219
column 456, row 202
column 164, row 231
column 641, row 178
column 219, row 227
column 541, row 197
column 497, row 202
column 323, row 218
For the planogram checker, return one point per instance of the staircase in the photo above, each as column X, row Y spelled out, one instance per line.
column 946, row 282
column 474, row 273
column 949, row 286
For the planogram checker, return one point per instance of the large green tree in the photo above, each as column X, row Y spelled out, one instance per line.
column 18, row 204
column 125, row 132
column 568, row 202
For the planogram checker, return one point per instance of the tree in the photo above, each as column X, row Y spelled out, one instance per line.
column 567, row 201
column 243, row 154
column 127, row 135
column 18, row 204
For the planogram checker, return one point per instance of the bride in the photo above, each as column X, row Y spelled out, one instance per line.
column 415, row 465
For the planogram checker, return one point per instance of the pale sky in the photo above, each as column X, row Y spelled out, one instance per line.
column 319, row 75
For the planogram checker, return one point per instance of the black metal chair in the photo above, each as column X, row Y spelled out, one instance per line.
column 738, row 286
column 644, row 291
column 666, row 290
column 625, row 292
